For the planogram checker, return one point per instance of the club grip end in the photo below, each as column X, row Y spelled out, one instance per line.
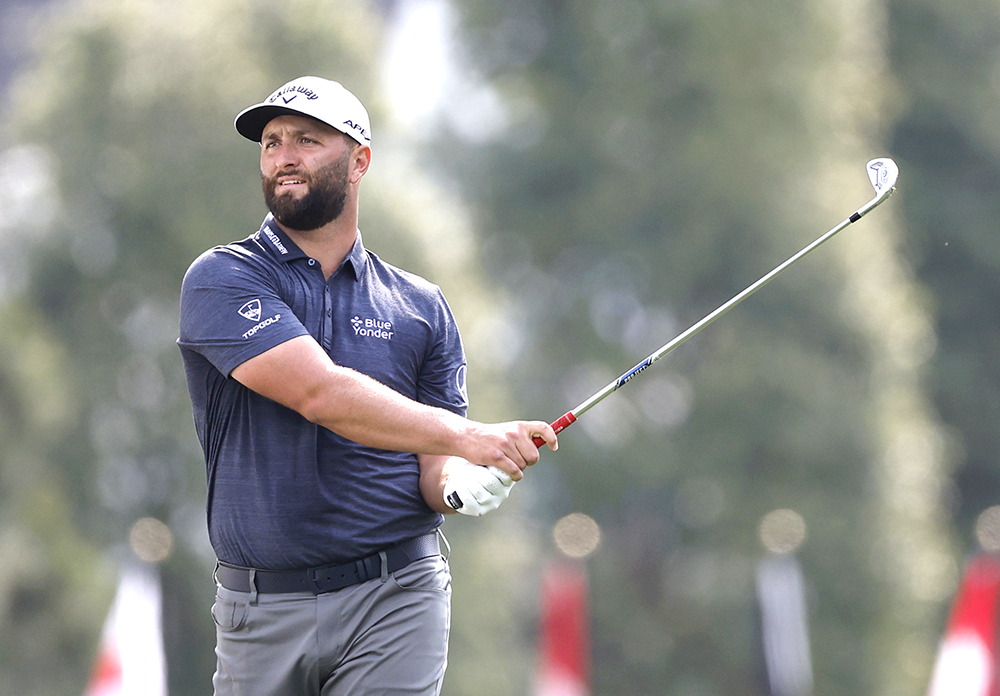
column 566, row 420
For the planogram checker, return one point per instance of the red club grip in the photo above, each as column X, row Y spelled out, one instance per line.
column 566, row 420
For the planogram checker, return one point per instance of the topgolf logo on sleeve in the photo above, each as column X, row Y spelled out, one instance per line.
column 252, row 311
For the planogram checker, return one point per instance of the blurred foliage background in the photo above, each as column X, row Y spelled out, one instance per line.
column 585, row 179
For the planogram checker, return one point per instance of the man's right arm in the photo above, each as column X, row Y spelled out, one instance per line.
column 300, row 375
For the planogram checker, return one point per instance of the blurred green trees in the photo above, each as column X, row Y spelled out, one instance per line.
column 659, row 157
column 122, row 166
column 603, row 174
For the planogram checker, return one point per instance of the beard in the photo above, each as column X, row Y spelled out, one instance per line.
column 323, row 202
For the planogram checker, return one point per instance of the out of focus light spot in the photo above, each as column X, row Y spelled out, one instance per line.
column 782, row 531
column 611, row 424
column 416, row 64
column 29, row 199
column 28, row 194
column 988, row 528
column 666, row 399
column 964, row 666
column 151, row 540
column 577, row 535
column 426, row 80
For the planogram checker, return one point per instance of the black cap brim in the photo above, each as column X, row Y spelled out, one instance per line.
column 250, row 123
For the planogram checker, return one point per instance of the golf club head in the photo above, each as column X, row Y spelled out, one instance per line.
column 882, row 172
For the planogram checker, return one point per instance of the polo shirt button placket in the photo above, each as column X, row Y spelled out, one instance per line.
column 328, row 328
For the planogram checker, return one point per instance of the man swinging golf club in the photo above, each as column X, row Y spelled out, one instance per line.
column 328, row 390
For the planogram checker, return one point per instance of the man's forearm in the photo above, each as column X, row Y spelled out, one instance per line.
column 300, row 375
column 366, row 411
column 434, row 470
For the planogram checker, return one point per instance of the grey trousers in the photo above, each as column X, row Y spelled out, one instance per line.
column 383, row 637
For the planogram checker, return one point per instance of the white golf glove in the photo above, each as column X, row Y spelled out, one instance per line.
column 475, row 490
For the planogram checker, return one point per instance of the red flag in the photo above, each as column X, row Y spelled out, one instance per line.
column 130, row 659
column 564, row 649
column 966, row 664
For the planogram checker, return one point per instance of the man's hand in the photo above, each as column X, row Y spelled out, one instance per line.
column 507, row 446
column 475, row 490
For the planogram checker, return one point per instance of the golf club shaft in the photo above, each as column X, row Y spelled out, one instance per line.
column 883, row 191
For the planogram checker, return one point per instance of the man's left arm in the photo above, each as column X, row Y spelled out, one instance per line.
column 434, row 471
column 451, row 484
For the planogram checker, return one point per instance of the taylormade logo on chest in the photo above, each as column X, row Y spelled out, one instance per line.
column 372, row 328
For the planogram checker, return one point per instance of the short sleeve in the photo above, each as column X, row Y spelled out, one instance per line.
column 231, row 309
column 443, row 373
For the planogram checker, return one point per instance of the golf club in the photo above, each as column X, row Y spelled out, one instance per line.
column 882, row 172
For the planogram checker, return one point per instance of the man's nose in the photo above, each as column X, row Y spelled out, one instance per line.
column 284, row 156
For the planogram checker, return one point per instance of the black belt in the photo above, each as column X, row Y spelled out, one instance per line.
column 328, row 578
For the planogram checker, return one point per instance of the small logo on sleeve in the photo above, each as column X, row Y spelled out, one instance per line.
column 252, row 311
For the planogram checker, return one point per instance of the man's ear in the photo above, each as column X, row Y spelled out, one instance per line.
column 361, row 159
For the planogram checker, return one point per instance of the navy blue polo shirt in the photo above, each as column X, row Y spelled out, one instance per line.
column 285, row 493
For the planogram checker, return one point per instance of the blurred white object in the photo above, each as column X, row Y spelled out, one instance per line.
column 966, row 663
column 130, row 660
column 781, row 593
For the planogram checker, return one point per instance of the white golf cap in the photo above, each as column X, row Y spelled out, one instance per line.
column 324, row 100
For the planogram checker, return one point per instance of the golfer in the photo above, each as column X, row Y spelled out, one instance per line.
column 328, row 390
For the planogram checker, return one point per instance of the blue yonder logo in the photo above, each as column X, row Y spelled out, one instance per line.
column 372, row 328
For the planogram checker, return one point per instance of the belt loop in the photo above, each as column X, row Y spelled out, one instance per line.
column 253, row 587
column 385, row 565
column 447, row 546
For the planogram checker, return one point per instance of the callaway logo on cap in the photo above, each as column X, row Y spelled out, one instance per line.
column 324, row 100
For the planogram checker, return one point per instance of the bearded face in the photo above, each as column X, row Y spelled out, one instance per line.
column 322, row 203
